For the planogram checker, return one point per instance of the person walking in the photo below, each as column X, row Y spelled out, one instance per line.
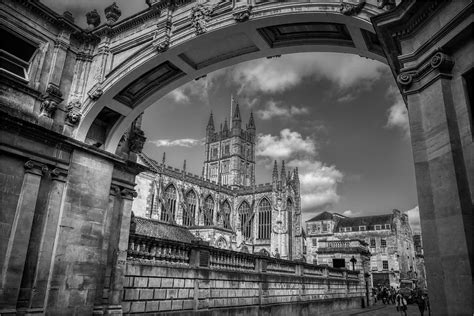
column 421, row 302
column 401, row 304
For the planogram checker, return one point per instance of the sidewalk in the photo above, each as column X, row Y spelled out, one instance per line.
column 379, row 310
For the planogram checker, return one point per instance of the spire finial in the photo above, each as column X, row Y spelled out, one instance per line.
column 164, row 158
column 184, row 165
column 283, row 171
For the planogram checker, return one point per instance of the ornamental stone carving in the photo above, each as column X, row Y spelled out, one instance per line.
column 93, row 18
column 53, row 91
column 351, row 9
column 200, row 15
column 388, row 4
column 59, row 174
column 73, row 112
column 112, row 13
column 128, row 194
column 242, row 13
column 442, row 62
column 48, row 107
column 405, row 79
column 96, row 94
column 136, row 140
column 34, row 167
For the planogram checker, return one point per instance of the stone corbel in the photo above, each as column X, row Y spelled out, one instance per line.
column 51, row 100
column 352, row 9
column 59, row 174
column 390, row 4
column 128, row 194
column 35, row 167
column 161, row 42
column 73, row 112
column 95, row 93
column 136, row 140
column 200, row 15
column 242, row 13
column 439, row 63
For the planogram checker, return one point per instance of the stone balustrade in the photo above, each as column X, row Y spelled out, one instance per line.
column 166, row 276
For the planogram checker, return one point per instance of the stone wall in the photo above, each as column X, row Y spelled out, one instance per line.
column 165, row 276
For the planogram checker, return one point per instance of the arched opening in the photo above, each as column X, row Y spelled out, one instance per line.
column 168, row 211
column 226, row 212
column 189, row 214
column 246, row 220
column 208, row 211
column 264, row 219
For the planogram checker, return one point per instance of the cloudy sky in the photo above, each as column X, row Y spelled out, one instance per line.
column 338, row 118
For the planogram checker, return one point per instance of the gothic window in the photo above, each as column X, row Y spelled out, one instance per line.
column 15, row 57
column 387, row 226
column 226, row 214
column 208, row 211
column 245, row 219
column 190, row 215
column 214, row 152
column 383, row 243
column 168, row 215
column 264, row 219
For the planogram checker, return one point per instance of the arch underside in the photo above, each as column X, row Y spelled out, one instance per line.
column 148, row 75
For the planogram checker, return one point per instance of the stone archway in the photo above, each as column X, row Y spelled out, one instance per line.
column 169, row 59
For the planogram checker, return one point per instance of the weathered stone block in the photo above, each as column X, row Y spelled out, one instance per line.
column 137, row 307
column 146, row 294
column 165, row 305
column 178, row 283
column 160, row 294
column 131, row 294
column 177, row 305
column 152, row 306
column 167, row 282
column 189, row 283
column 188, row 304
column 172, row 293
column 203, row 304
column 140, row 282
column 183, row 293
column 154, row 282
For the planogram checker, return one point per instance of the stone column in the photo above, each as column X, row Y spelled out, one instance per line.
column 19, row 237
column 48, row 239
column 442, row 184
column 120, row 238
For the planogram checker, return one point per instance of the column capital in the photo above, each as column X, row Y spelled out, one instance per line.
column 59, row 174
column 128, row 194
column 114, row 189
column 35, row 167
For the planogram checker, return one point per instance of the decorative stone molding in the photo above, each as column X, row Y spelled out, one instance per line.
column 112, row 13
column 128, row 194
column 53, row 91
column 162, row 43
column 95, row 94
column 136, row 140
column 242, row 13
column 351, row 9
column 439, row 62
column 48, row 107
column 59, row 174
column 388, row 4
column 35, row 167
column 93, row 18
column 73, row 112
column 114, row 190
column 200, row 15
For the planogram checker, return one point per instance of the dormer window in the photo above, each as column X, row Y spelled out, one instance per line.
column 362, row 228
column 348, row 229
column 387, row 226
column 378, row 227
column 15, row 57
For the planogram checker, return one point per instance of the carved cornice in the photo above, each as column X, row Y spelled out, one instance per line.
column 351, row 9
column 128, row 194
column 438, row 63
column 35, row 167
column 73, row 113
column 242, row 13
column 59, row 174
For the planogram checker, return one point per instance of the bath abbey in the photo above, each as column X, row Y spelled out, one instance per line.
column 224, row 206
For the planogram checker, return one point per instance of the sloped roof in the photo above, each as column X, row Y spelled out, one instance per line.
column 365, row 220
column 321, row 217
column 157, row 229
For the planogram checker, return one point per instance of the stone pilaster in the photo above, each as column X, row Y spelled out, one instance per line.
column 120, row 238
column 48, row 240
column 15, row 256
column 441, row 177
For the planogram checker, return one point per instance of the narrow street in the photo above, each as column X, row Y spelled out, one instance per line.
column 381, row 310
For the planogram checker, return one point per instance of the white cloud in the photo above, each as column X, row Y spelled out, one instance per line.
column 273, row 109
column 287, row 144
column 318, row 181
column 397, row 113
column 184, row 142
column 414, row 219
column 278, row 75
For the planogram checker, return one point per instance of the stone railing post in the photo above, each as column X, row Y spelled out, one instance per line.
column 15, row 256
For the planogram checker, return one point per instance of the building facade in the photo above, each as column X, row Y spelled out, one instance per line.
column 224, row 206
column 388, row 237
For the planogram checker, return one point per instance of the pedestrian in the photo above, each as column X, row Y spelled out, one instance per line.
column 401, row 304
column 421, row 302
